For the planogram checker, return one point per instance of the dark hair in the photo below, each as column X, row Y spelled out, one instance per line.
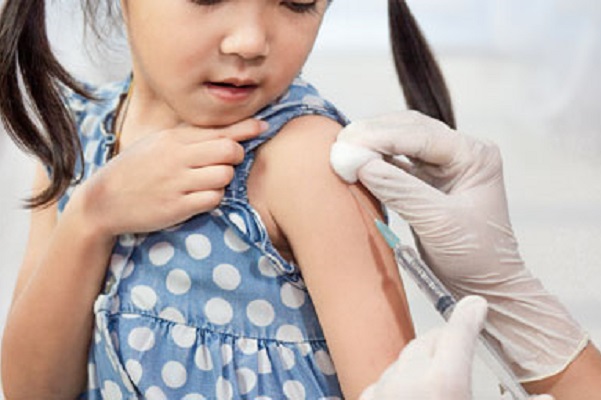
column 31, row 80
column 31, row 107
column 419, row 74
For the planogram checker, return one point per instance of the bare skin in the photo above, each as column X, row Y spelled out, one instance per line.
column 349, row 270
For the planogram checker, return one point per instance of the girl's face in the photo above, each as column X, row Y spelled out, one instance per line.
column 215, row 62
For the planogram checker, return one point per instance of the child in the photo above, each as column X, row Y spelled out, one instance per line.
column 229, row 264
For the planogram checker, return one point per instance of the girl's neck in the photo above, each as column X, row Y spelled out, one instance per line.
column 144, row 115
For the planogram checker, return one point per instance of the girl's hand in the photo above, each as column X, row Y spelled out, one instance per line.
column 164, row 178
column 450, row 189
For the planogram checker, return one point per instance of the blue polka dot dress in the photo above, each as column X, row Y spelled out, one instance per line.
column 207, row 309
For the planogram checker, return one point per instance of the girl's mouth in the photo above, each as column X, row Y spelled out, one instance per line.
column 231, row 91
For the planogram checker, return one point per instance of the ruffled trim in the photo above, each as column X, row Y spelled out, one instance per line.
column 204, row 361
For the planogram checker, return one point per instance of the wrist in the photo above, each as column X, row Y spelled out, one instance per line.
column 82, row 212
column 535, row 332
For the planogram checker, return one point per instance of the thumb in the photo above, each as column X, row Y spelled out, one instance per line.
column 414, row 200
column 458, row 341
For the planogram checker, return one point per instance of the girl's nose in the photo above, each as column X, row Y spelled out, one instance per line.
column 248, row 38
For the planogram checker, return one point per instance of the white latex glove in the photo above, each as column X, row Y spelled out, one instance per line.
column 453, row 196
column 437, row 365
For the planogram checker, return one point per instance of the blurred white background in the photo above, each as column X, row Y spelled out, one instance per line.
column 524, row 74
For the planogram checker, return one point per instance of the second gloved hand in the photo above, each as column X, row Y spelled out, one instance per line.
column 449, row 188
column 438, row 364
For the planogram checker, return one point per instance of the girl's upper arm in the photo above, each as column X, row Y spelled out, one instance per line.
column 42, row 223
column 349, row 270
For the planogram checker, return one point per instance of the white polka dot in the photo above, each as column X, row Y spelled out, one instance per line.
column 174, row 375
column 292, row 297
column 247, row 380
column 90, row 149
column 198, row 246
column 116, row 264
column 161, row 253
column 248, row 346
column 239, row 222
column 304, row 348
column 87, row 125
column 178, row 282
column 184, row 336
column 324, row 362
column 203, row 359
column 289, row 333
column 141, row 339
column 141, row 239
column 134, row 370
column 92, row 378
column 194, row 396
column 173, row 315
column 263, row 398
column 314, row 101
column 267, row 268
column 124, row 377
column 128, row 270
column 111, row 390
column 227, row 354
column 234, row 242
column 127, row 240
column 263, row 362
column 225, row 391
column 226, row 277
column 144, row 297
column 294, row 390
column 155, row 393
column 219, row 311
column 217, row 213
column 260, row 313
column 287, row 357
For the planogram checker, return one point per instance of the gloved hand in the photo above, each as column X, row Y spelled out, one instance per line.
column 437, row 365
column 450, row 190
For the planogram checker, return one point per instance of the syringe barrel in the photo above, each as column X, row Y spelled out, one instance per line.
column 429, row 284
column 491, row 356
column 445, row 302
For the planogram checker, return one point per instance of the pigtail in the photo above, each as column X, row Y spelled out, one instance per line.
column 31, row 105
column 419, row 74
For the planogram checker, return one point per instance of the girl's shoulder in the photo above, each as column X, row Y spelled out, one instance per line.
column 300, row 100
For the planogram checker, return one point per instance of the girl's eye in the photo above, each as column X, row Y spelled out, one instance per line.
column 300, row 7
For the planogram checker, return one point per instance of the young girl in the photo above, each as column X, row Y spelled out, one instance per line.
column 179, row 249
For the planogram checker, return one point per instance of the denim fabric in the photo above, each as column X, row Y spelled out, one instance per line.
column 207, row 309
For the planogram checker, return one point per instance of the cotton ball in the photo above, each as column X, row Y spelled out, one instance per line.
column 346, row 159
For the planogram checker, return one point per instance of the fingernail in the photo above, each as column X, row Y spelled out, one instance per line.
column 263, row 125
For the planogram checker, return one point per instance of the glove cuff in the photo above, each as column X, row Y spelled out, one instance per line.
column 534, row 331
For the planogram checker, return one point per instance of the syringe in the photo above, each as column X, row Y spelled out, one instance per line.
column 444, row 302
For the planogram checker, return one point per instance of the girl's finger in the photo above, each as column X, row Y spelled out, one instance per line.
column 214, row 177
column 245, row 130
column 200, row 202
column 213, row 152
column 240, row 131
